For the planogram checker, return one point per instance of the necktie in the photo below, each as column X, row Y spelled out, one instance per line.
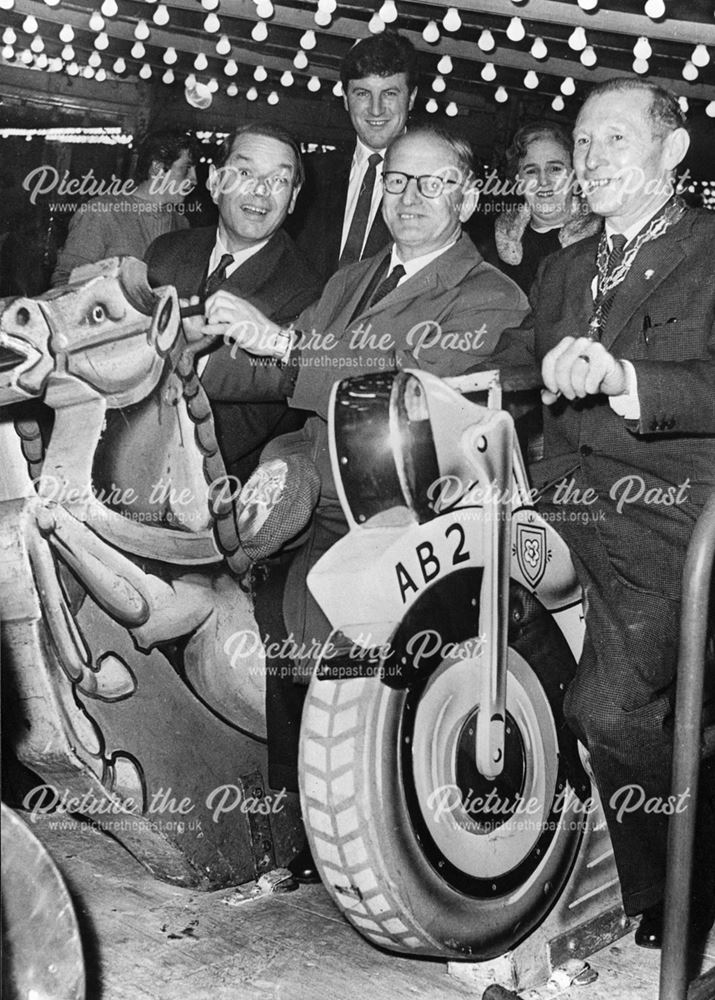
column 358, row 226
column 218, row 275
column 386, row 286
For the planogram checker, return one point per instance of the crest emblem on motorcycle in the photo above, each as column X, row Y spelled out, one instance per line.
column 531, row 552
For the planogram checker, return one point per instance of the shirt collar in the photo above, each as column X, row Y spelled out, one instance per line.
column 239, row 256
column 363, row 153
column 636, row 227
column 417, row 263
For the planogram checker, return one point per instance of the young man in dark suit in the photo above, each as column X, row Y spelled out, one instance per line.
column 340, row 220
column 623, row 330
column 254, row 186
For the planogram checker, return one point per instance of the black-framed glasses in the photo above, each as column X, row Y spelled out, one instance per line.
column 428, row 185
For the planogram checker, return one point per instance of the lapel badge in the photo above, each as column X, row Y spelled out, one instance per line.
column 649, row 274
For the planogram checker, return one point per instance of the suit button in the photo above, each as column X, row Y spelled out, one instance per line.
column 586, row 450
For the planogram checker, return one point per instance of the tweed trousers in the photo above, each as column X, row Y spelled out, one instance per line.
column 620, row 705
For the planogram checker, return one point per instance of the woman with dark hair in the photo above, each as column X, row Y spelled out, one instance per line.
column 552, row 215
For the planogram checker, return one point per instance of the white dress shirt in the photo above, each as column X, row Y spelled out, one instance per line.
column 357, row 172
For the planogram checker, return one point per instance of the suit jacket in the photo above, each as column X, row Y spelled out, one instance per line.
column 317, row 223
column 278, row 282
column 652, row 476
column 440, row 320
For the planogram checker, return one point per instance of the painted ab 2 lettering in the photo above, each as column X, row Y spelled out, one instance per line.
column 429, row 565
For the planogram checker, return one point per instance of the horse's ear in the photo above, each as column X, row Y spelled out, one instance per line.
column 166, row 319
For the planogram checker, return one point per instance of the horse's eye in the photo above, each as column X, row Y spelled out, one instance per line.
column 98, row 313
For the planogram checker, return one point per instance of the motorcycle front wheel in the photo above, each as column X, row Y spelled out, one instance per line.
column 422, row 854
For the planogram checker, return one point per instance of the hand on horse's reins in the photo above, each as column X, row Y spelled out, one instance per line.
column 242, row 324
column 578, row 367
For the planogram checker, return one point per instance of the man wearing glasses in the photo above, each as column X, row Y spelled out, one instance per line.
column 427, row 301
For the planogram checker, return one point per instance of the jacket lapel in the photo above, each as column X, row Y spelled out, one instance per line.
column 654, row 262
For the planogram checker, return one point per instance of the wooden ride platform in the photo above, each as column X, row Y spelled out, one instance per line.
column 146, row 940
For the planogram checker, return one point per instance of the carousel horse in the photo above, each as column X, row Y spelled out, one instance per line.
column 136, row 663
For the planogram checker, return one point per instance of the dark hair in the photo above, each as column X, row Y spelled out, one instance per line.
column 519, row 146
column 164, row 148
column 664, row 112
column 459, row 146
column 380, row 55
column 267, row 131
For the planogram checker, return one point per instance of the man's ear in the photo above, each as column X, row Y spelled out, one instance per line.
column 212, row 183
column 470, row 200
column 675, row 146
column 293, row 198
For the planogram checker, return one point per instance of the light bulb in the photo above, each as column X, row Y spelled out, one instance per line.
column 190, row 82
column 251, row 94
column 338, row 89
column 232, row 90
column 431, row 106
column 73, row 69
column 640, row 66
column 94, row 60
column 272, row 97
column 66, row 34
column 568, row 87
column 96, row 21
column 444, row 66
column 451, row 109
column 452, row 21
column 259, row 32
column 161, row 15
column 558, row 103
column 531, row 80
column 700, row 56
column 67, row 53
column 37, row 45
column 88, row 72
column 328, row 6
column 212, row 85
column 577, row 39
column 264, row 8
column 588, row 4
column 101, row 41
column 588, row 56
column 109, row 8
column 209, row 4
column 231, row 67
column 170, row 56
column 301, row 60
column 307, row 40
column 690, row 72
column 642, row 49
column 516, row 31
column 538, row 49
column 29, row 25
column 655, row 8
column 201, row 62
column 9, row 37
column 223, row 45
column 287, row 79
column 322, row 19
column 119, row 65
column 138, row 51
column 260, row 74
column 375, row 24
column 52, row 3
column 141, row 31
column 501, row 95
column 488, row 73
column 710, row 109
column 145, row 71
column 168, row 76
column 684, row 105
column 8, row 53
column 388, row 11
column 212, row 23
column 431, row 32
column 314, row 84
column 486, row 41
column 438, row 85
column 41, row 61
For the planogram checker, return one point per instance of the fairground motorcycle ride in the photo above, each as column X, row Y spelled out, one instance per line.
column 448, row 807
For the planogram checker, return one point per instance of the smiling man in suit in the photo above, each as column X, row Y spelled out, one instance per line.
column 623, row 331
column 340, row 220
column 254, row 185
column 427, row 301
